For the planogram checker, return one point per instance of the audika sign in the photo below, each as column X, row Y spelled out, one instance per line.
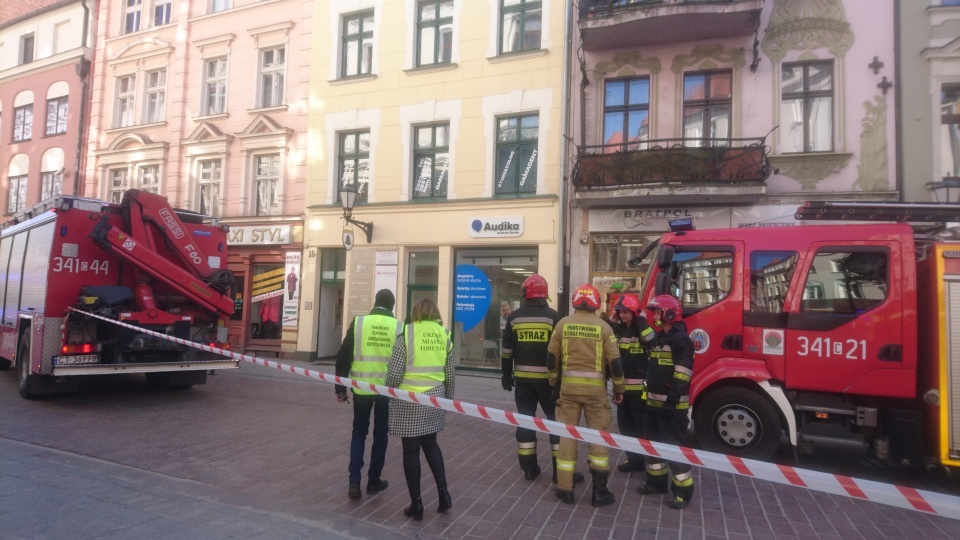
column 496, row 227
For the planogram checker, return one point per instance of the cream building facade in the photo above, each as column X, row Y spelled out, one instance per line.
column 447, row 117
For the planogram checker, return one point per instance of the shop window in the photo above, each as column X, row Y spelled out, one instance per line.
column 846, row 282
column 767, row 270
column 266, row 301
column 615, row 265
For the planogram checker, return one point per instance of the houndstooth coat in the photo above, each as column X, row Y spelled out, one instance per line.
column 410, row 419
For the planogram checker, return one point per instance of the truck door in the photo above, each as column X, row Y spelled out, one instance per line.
column 845, row 320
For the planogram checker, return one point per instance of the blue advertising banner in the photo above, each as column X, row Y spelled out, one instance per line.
column 471, row 296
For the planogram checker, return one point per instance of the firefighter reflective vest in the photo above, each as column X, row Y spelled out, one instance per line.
column 427, row 347
column 373, row 337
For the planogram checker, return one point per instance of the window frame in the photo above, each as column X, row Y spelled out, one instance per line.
column 154, row 111
column 627, row 108
column 167, row 14
column 523, row 7
column 51, row 184
column 949, row 132
column 437, row 24
column 826, row 279
column 220, row 81
column 707, row 104
column 114, row 192
column 128, row 97
column 275, row 71
column 142, row 178
column 432, row 151
column 805, row 95
column 518, row 144
column 215, row 181
column 61, row 118
column 134, row 9
column 25, row 124
column 267, row 178
column 16, row 195
column 359, row 37
column 28, row 48
column 343, row 157
column 217, row 6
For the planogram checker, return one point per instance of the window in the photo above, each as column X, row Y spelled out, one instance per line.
column 155, row 96
column 118, row 184
column 50, row 184
column 210, row 175
column 220, row 5
column 27, row 43
column 357, row 45
column 806, row 110
column 434, row 32
column 707, row 98
column 431, row 159
column 520, row 24
column 846, row 282
column 950, row 130
column 161, row 12
column 17, row 197
column 150, row 179
column 23, row 123
column 215, row 87
column 354, row 158
column 131, row 16
column 626, row 113
column 271, row 77
column 126, row 91
column 768, row 269
column 517, row 138
column 266, row 301
column 266, row 184
column 56, row 116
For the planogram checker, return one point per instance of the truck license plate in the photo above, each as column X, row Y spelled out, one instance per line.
column 79, row 359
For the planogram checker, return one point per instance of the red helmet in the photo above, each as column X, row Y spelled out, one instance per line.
column 586, row 297
column 672, row 311
column 627, row 302
column 534, row 287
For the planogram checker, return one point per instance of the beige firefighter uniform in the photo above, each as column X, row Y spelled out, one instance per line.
column 584, row 346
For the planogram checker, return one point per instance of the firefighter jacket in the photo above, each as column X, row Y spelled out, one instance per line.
column 671, row 368
column 362, row 333
column 633, row 341
column 585, row 346
column 523, row 347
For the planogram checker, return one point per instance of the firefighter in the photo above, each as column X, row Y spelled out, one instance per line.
column 581, row 349
column 668, row 398
column 633, row 334
column 523, row 355
column 363, row 356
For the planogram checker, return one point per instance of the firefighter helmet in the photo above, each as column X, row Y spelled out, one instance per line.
column 586, row 297
column 672, row 311
column 534, row 287
column 627, row 302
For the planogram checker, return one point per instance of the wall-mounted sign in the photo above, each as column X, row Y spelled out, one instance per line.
column 258, row 235
column 292, row 298
column 347, row 239
column 496, row 227
column 471, row 296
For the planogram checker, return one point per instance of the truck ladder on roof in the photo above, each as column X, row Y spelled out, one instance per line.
column 875, row 211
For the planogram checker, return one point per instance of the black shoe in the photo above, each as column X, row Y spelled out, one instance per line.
column 354, row 491
column 446, row 502
column 415, row 510
column 532, row 474
column 374, row 486
column 601, row 495
column 565, row 496
column 629, row 467
column 647, row 489
column 577, row 478
column 678, row 503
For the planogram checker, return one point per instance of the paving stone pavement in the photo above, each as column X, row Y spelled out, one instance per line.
column 271, row 448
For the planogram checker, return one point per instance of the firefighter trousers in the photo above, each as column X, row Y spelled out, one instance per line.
column 528, row 395
column 669, row 427
column 632, row 421
column 595, row 407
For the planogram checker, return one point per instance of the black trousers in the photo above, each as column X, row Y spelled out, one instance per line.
column 632, row 421
column 669, row 427
column 528, row 395
column 411, row 462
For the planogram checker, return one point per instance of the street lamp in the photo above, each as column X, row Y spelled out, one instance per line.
column 348, row 196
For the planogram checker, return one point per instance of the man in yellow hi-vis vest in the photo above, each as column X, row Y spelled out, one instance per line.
column 363, row 356
column 580, row 350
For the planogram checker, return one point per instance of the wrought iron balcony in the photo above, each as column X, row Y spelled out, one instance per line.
column 721, row 170
column 614, row 24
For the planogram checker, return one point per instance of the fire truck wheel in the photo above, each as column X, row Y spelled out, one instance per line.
column 24, row 377
column 739, row 422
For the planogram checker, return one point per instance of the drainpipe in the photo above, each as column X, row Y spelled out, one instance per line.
column 563, row 266
column 83, row 71
column 898, row 125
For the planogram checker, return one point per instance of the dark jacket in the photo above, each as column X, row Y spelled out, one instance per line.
column 633, row 341
column 525, row 339
column 671, row 369
column 345, row 353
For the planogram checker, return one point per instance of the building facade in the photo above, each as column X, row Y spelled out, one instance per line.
column 729, row 112
column 205, row 102
column 445, row 116
column 44, row 69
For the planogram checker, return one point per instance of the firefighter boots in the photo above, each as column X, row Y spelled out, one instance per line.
column 678, row 503
column 630, row 466
column 565, row 496
column 601, row 495
column 532, row 474
column 647, row 489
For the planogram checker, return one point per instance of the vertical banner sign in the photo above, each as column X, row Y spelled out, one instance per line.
column 471, row 297
column 291, row 297
column 385, row 276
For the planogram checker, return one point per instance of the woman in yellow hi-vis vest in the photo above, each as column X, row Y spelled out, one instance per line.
column 422, row 362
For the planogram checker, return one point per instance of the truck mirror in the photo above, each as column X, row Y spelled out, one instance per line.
column 662, row 284
column 665, row 256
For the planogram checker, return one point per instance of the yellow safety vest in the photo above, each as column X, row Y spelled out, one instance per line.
column 427, row 347
column 373, row 338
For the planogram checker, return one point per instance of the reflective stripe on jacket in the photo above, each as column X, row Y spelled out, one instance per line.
column 373, row 336
column 670, row 371
column 427, row 346
column 585, row 345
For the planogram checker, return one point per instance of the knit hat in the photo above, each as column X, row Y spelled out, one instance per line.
column 384, row 299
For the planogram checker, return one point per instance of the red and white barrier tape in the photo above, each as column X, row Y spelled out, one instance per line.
column 868, row 490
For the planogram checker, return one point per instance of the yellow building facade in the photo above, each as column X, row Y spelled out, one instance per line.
column 446, row 117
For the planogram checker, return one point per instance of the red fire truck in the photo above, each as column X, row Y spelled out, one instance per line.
column 140, row 262
column 828, row 335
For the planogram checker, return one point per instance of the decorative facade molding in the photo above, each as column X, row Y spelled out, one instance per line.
column 621, row 60
column 810, row 169
column 797, row 25
column 736, row 57
column 873, row 173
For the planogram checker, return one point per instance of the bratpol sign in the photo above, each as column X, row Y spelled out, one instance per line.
column 496, row 227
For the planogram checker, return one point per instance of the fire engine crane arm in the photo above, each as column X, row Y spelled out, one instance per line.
column 143, row 210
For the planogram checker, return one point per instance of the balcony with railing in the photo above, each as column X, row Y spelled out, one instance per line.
column 615, row 24
column 672, row 171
